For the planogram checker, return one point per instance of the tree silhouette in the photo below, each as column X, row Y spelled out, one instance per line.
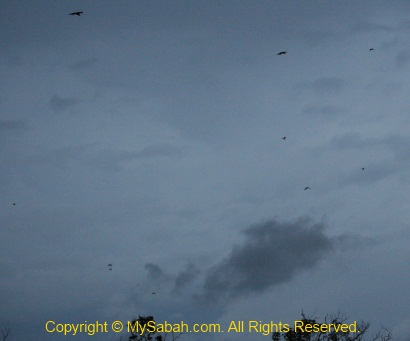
column 362, row 328
column 5, row 332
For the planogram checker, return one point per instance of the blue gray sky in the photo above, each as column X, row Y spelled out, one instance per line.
column 148, row 135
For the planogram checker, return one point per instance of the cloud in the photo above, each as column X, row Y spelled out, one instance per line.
column 12, row 126
column 157, row 150
column 186, row 277
column 382, row 156
column 90, row 155
column 83, row 64
column 403, row 58
column 273, row 253
column 398, row 145
column 114, row 160
column 324, row 85
column 155, row 273
column 350, row 141
column 366, row 27
column 327, row 84
column 323, row 110
column 58, row 103
column 401, row 332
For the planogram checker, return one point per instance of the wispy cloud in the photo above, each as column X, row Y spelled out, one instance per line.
column 83, row 64
column 351, row 140
column 366, row 27
column 329, row 111
column 324, row 85
column 12, row 125
column 327, row 85
column 158, row 150
column 90, row 155
column 401, row 332
column 403, row 58
column 58, row 103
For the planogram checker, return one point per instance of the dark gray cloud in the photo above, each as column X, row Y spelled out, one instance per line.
column 155, row 273
column 186, row 277
column 58, row 103
column 273, row 253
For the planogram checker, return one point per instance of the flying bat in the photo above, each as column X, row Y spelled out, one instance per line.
column 372, row 49
column 284, row 138
column 362, row 168
column 77, row 13
column 282, row 52
column 306, row 188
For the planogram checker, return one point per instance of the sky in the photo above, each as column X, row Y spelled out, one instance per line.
column 150, row 135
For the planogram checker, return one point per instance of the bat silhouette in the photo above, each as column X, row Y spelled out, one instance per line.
column 282, row 52
column 77, row 13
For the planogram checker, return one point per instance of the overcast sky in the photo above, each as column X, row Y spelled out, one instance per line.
column 149, row 135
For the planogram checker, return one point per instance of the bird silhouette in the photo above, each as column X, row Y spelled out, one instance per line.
column 372, row 49
column 153, row 293
column 284, row 138
column 77, row 13
column 14, row 204
column 282, row 52
column 306, row 188
column 362, row 168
